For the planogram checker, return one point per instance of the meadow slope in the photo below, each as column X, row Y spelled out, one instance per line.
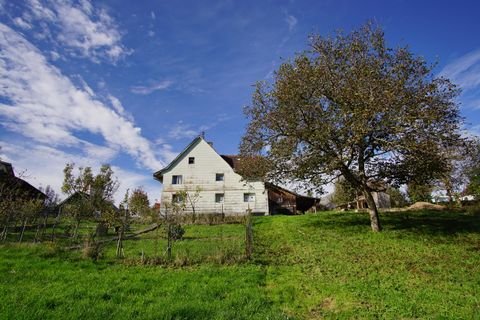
column 328, row 265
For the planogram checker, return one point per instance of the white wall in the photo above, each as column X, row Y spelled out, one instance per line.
column 202, row 174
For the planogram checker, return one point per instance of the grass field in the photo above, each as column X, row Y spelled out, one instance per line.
column 424, row 265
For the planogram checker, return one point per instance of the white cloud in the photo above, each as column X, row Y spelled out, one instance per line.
column 22, row 23
column 182, row 130
column 54, row 55
column 291, row 21
column 90, row 32
column 167, row 153
column 117, row 105
column 44, row 105
column 162, row 85
column 152, row 14
column 44, row 165
column 464, row 71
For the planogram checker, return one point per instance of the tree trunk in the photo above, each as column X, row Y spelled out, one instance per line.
column 23, row 230
column 55, row 223
column 120, row 243
column 169, row 242
column 372, row 211
column 44, row 227
column 75, row 232
column 5, row 230
column 35, row 239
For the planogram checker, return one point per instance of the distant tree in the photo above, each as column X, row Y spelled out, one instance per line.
column 28, row 210
column 351, row 106
column 50, row 205
column 419, row 192
column 398, row 199
column 139, row 204
column 121, row 220
column 10, row 201
column 472, row 170
column 93, row 193
column 344, row 192
column 17, row 205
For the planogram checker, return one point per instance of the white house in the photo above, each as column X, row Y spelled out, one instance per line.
column 221, row 190
column 199, row 169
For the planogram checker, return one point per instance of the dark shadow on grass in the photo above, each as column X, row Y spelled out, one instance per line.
column 432, row 222
column 421, row 222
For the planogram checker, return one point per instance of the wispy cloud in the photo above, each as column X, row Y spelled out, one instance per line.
column 465, row 72
column 19, row 22
column 87, row 31
column 44, row 105
column 291, row 21
column 158, row 86
column 182, row 131
column 45, row 163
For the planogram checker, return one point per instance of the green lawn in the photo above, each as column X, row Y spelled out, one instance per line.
column 424, row 265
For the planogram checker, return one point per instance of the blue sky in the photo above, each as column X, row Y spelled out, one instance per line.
column 131, row 83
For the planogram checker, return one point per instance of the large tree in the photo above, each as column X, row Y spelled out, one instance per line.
column 351, row 106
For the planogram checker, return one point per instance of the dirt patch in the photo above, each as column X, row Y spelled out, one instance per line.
column 426, row 206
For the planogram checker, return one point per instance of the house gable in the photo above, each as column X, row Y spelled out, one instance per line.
column 200, row 167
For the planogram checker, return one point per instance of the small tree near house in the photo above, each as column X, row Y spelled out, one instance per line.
column 92, row 195
column 190, row 199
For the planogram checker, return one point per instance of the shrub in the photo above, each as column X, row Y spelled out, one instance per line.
column 177, row 231
column 92, row 250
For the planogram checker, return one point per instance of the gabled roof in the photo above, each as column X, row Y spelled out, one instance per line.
column 6, row 168
column 21, row 187
column 159, row 174
column 232, row 160
column 271, row 186
column 79, row 195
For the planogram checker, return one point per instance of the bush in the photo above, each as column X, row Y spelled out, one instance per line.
column 92, row 250
column 176, row 231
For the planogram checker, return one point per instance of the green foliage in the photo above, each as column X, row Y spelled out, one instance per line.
column 139, row 204
column 344, row 192
column 89, row 194
column 473, row 171
column 419, row 192
column 473, row 187
column 398, row 199
column 176, row 231
column 352, row 106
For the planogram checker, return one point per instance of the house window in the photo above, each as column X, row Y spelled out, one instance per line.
column 177, row 179
column 177, row 198
column 249, row 197
column 191, row 160
column 219, row 177
column 219, row 197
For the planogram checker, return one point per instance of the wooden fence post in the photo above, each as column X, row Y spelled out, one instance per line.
column 248, row 235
